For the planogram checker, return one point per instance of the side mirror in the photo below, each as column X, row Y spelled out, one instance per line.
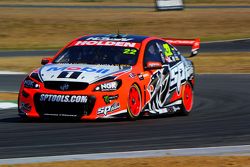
column 194, row 52
column 153, row 65
column 46, row 61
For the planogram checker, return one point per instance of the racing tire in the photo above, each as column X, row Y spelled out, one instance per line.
column 187, row 99
column 134, row 104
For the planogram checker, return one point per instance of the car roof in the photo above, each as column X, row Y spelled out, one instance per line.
column 114, row 37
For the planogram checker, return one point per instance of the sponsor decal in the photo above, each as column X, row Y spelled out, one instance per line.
column 108, row 39
column 106, row 43
column 154, row 65
column 110, row 86
column 172, row 59
column 181, row 42
column 25, row 107
column 107, row 98
column 30, row 84
column 177, row 77
column 132, row 75
column 85, row 69
column 63, row 98
column 59, row 115
column 162, row 84
column 108, row 109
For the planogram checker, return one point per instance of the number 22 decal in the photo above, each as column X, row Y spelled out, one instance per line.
column 130, row 51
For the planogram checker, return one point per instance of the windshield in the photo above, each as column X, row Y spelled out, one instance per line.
column 98, row 55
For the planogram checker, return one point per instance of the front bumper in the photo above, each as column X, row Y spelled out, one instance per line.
column 96, row 106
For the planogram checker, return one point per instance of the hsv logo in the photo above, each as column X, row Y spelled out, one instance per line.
column 85, row 69
column 64, row 86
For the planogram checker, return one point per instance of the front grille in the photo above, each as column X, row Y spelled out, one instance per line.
column 63, row 109
column 65, row 86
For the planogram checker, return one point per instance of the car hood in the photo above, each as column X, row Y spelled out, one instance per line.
column 79, row 72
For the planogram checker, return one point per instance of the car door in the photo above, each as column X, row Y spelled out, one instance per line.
column 164, row 80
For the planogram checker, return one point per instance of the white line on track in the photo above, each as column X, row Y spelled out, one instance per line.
column 11, row 73
column 7, row 105
column 3, row 91
column 243, row 150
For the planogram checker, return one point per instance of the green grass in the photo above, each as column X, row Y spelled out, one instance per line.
column 8, row 97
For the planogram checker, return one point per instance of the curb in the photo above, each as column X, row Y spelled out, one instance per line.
column 242, row 150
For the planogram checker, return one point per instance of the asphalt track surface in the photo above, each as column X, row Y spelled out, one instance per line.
column 242, row 45
column 220, row 117
column 10, row 83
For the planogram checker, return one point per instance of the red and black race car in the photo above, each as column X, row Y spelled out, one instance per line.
column 107, row 76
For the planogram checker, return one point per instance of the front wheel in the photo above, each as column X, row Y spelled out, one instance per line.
column 187, row 99
column 134, row 104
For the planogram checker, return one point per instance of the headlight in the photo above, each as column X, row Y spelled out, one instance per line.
column 109, row 86
column 28, row 83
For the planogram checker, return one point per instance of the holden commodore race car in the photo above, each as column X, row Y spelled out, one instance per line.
column 111, row 76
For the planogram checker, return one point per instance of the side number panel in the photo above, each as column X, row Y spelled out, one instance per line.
column 177, row 77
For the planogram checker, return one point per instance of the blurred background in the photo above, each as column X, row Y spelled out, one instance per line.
column 50, row 24
column 32, row 29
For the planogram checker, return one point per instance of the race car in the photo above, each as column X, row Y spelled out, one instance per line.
column 111, row 76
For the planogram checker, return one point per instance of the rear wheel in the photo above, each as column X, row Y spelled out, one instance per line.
column 187, row 99
column 134, row 104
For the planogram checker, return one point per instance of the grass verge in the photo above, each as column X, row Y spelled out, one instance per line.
column 8, row 97
column 129, row 1
column 50, row 28
column 222, row 63
column 204, row 161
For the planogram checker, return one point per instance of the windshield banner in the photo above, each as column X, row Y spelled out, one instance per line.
column 106, row 43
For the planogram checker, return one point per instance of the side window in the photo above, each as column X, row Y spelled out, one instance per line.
column 169, row 52
column 152, row 53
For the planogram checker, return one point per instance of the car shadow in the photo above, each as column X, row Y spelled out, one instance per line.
column 67, row 120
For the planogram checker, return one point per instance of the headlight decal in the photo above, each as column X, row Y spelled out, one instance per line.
column 28, row 83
